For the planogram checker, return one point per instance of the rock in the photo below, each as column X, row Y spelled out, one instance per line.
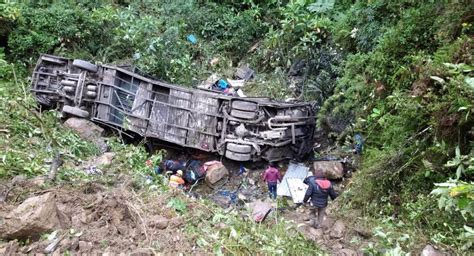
column 142, row 252
column 222, row 201
column 85, row 246
column 9, row 249
column 159, row 222
column 337, row 246
column 430, row 251
column 105, row 159
column 74, row 243
column 337, row 230
column 176, row 222
column 18, row 180
column 221, row 225
column 316, row 232
column 363, row 232
column 216, row 173
column 332, row 169
column 346, row 252
column 35, row 216
column 38, row 181
column 260, row 211
column 87, row 130
column 65, row 243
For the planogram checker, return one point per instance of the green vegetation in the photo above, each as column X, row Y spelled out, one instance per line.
column 398, row 72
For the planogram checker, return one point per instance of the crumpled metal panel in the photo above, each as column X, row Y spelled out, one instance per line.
column 295, row 170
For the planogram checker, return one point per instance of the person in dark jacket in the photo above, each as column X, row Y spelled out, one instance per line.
column 319, row 189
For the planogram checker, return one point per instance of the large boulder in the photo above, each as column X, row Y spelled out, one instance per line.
column 35, row 216
column 332, row 169
column 215, row 173
column 87, row 130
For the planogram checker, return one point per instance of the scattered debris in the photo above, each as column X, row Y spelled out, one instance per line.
column 260, row 210
column 296, row 171
column 93, row 170
column 236, row 83
column 297, row 189
column 332, row 169
column 192, row 38
column 244, row 72
column 36, row 215
column 87, row 130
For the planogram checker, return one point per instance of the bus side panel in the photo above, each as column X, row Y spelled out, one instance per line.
column 203, row 119
column 140, row 108
column 105, row 94
column 178, row 117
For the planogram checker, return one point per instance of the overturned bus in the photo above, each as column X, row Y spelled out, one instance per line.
column 242, row 129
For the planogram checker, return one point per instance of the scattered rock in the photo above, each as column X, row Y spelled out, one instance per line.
column 216, row 173
column 328, row 222
column 74, row 243
column 430, row 251
column 222, row 201
column 85, row 246
column 105, row 159
column 346, row 252
column 316, row 232
column 35, row 216
column 337, row 246
column 176, row 222
column 87, row 130
column 159, row 222
column 142, row 252
column 9, row 249
column 38, row 181
column 338, row 230
column 18, row 180
column 363, row 232
column 332, row 169
column 221, row 225
column 65, row 243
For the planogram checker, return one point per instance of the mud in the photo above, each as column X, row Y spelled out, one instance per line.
column 114, row 220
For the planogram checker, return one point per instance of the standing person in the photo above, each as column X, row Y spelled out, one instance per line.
column 272, row 177
column 319, row 189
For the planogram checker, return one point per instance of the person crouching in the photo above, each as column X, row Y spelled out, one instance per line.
column 176, row 180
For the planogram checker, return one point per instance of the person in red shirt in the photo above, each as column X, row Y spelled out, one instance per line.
column 272, row 177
